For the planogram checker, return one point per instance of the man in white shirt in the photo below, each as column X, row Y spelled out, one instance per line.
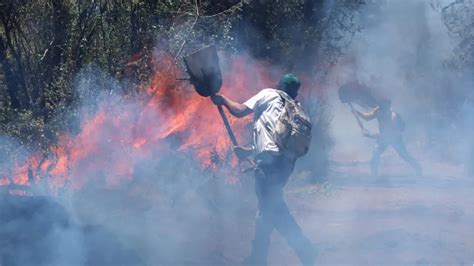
column 272, row 171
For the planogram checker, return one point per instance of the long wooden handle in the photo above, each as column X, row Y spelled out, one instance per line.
column 357, row 118
column 227, row 125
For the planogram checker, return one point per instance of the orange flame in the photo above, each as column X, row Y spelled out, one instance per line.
column 176, row 119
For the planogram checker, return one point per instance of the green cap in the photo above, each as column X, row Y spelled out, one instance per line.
column 289, row 82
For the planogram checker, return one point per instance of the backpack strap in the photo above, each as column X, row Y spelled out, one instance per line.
column 283, row 95
column 286, row 98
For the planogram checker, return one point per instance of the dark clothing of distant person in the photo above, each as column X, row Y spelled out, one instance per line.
column 391, row 127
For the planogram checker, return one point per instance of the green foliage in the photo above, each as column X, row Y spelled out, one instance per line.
column 459, row 18
column 26, row 127
column 45, row 43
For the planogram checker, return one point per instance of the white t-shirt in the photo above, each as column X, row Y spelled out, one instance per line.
column 267, row 106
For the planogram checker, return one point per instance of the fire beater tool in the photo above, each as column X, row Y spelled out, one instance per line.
column 361, row 95
column 205, row 74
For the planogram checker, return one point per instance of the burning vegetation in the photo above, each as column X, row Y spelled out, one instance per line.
column 169, row 117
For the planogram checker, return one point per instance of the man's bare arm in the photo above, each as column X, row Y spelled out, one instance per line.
column 235, row 108
column 369, row 115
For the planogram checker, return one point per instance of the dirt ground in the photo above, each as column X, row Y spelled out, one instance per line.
column 352, row 218
column 394, row 219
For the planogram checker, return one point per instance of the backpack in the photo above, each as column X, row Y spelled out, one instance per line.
column 293, row 128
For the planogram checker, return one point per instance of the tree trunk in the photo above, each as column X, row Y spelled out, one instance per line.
column 134, row 29
column 61, row 21
column 54, row 60
column 21, row 89
column 10, row 78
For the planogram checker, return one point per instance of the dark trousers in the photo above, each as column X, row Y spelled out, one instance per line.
column 273, row 213
column 400, row 148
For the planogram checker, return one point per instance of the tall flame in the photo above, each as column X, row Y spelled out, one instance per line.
column 171, row 118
